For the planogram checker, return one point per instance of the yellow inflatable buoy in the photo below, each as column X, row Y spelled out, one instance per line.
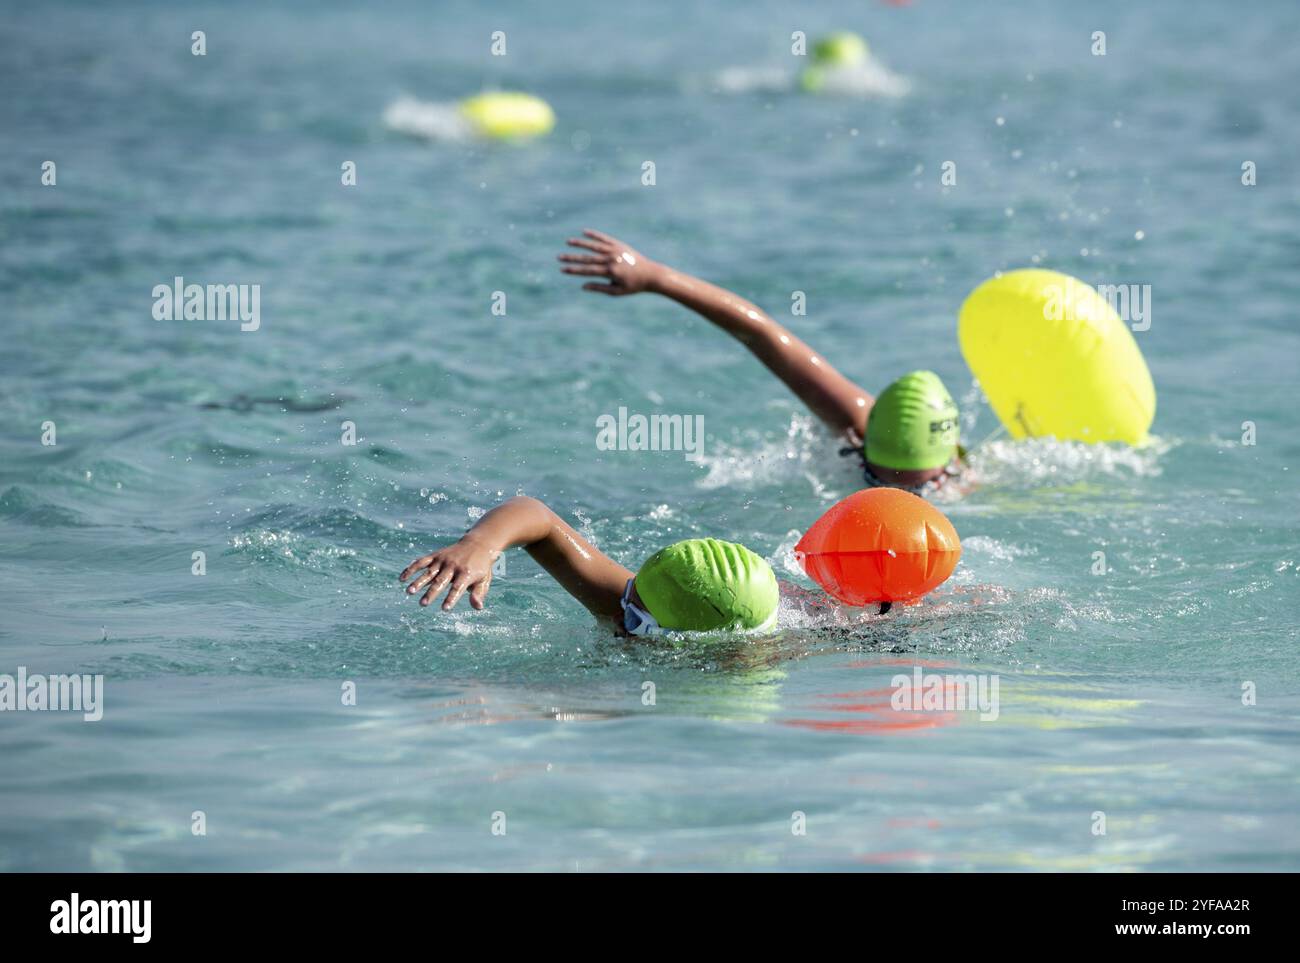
column 1055, row 359
column 503, row 114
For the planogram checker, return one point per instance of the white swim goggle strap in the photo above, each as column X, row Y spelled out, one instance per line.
column 769, row 623
column 636, row 620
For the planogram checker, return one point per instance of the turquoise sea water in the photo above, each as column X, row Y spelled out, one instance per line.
column 1119, row 694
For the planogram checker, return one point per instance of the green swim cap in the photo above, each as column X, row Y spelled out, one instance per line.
column 841, row 49
column 812, row 79
column 703, row 584
column 913, row 424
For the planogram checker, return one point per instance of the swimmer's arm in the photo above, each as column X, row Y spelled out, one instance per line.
column 584, row 571
column 833, row 398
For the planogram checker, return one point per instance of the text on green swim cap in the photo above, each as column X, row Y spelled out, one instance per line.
column 913, row 425
column 703, row 584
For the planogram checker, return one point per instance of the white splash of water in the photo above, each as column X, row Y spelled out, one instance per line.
column 428, row 120
column 994, row 549
column 799, row 455
column 869, row 79
column 1040, row 459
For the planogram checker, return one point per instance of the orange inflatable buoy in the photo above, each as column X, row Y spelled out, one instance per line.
column 879, row 545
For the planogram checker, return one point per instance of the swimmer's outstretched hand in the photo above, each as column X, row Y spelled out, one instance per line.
column 628, row 271
column 836, row 400
column 465, row 565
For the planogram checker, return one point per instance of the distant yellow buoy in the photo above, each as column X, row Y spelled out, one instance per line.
column 508, row 115
column 1056, row 360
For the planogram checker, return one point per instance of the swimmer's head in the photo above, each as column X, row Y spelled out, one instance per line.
column 912, row 431
column 841, row 49
column 703, row 585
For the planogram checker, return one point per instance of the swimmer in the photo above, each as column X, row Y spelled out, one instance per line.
column 697, row 585
column 838, row 64
column 833, row 54
column 907, row 438
column 872, row 547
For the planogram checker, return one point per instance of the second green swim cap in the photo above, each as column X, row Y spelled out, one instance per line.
column 841, row 49
column 702, row 584
column 913, row 424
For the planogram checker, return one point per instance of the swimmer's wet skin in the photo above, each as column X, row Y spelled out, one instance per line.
column 914, row 422
column 698, row 585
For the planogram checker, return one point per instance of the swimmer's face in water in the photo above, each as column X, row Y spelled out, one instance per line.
column 908, row 478
column 631, row 595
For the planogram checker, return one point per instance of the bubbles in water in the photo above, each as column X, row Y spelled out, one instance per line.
column 431, row 121
column 993, row 548
column 797, row 456
column 1007, row 462
column 869, row 79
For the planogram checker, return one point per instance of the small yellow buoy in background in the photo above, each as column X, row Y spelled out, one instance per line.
column 508, row 115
